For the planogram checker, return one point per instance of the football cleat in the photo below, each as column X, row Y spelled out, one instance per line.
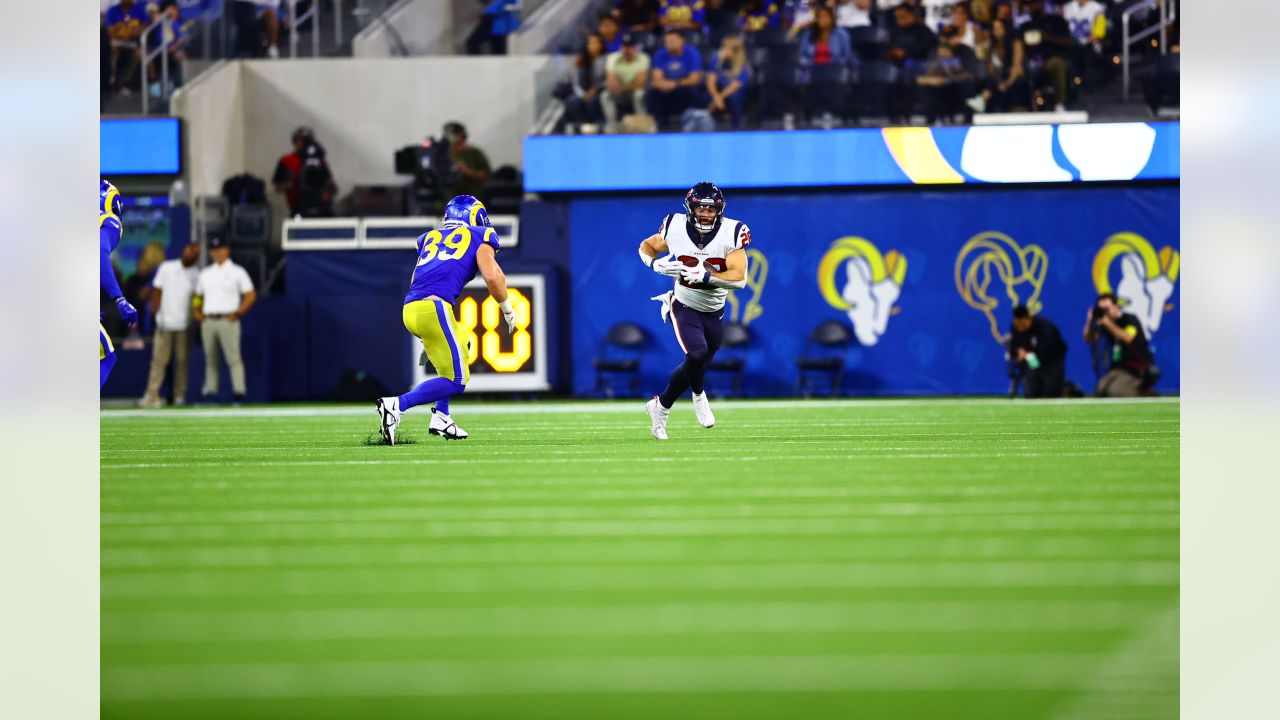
column 389, row 418
column 445, row 427
column 657, row 418
column 702, row 409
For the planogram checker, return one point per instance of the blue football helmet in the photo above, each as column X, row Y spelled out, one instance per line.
column 109, row 200
column 704, row 194
column 467, row 209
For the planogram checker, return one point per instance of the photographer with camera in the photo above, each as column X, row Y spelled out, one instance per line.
column 304, row 177
column 470, row 164
column 1037, row 348
column 1131, row 373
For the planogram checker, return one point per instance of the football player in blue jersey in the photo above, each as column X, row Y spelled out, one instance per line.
column 448, row 258
column 109, row 230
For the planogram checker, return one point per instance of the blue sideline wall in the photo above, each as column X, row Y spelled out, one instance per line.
column 1012, row 245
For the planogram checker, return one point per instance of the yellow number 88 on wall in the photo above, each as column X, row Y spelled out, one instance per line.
column 490, row 319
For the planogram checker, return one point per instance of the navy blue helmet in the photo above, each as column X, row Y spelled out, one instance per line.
column 704, row 194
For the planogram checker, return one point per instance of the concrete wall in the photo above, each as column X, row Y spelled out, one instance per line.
column 212, row 108
column 426, row 27
column 240, row 118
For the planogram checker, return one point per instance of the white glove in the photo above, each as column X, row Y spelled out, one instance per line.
column 668, row 266
column 695, row 275
column 665, row 298
column 509, row 315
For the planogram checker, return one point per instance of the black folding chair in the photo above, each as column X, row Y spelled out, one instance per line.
column 730, row 361
column 619, row 358
column 825, row 354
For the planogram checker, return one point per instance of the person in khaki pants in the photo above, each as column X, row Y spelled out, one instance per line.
column 224, row 293
column 172, row 291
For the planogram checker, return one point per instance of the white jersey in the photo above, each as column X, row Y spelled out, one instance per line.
column 731, row 235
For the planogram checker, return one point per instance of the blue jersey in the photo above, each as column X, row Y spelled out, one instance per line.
column 447, row 260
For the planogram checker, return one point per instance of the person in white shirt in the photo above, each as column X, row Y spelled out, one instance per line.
column 853, row 13
column 173, row 288
column 224, row 293
column 1082, row 16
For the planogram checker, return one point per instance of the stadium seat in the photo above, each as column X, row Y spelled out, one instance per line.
column 871, row 91
column 825, row 355
column 869, row 43
column 730, row 361
column 1161, row 88
column 249, row 232
column 619, row 357
column 767, row 37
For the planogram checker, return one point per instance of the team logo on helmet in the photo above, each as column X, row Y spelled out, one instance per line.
column 467, row 209
column 109, row 200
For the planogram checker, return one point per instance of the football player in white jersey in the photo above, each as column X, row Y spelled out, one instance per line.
column 705, row 252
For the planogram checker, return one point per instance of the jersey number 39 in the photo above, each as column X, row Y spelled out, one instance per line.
column 455, row 244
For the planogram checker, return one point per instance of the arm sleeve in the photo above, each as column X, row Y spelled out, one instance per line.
column 743, row 239
column 157, row 280
column 106, row 275
column 245, row 284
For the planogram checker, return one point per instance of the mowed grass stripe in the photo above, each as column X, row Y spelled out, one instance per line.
column 945, row 547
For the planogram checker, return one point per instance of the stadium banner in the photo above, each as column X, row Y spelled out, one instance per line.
column 1087, row 152
column 140, row 146
column 926, row 281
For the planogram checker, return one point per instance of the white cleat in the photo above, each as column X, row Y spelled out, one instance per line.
column 445, row 427
column 388, row 418
column 702, row 409
column 657, row 418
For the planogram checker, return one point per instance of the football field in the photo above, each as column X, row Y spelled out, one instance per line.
column 802, row 559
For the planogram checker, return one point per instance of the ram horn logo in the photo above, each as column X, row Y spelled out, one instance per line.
column 1147, row 279
column 757, row 273
column 873, row 284
column 994, row 256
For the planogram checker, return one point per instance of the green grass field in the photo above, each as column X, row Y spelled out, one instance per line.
column 869, row 559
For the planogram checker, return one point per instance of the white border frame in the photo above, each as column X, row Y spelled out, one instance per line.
column 320, row 223
column 361, row 225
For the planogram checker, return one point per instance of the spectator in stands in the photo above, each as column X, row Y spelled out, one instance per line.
column 588, row 80
column 1131, row 357
column 1036, row 346
column 854, row 13
column 125, row 23
column 304, row 177
column 637, row 15
column 799, row 16
column 825, row 50
column 681, row 15
column 1088, row 22
column 720, row 21
column 1046, row 41
column 757, row 15
column 910, row 43
column 626, row 76
column 610, row 33
column 727, row 80
column 676, row 78
column 937, row 13
column 825, row 43
column 137, row 289
column 224, row 293
column 1005, row 87
column 172, row 291
column 253, row 19
column 499, row 19
column 946, row 81
column 966, row 31
column 174, row 40
column 470, row 163
column 983, row 11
